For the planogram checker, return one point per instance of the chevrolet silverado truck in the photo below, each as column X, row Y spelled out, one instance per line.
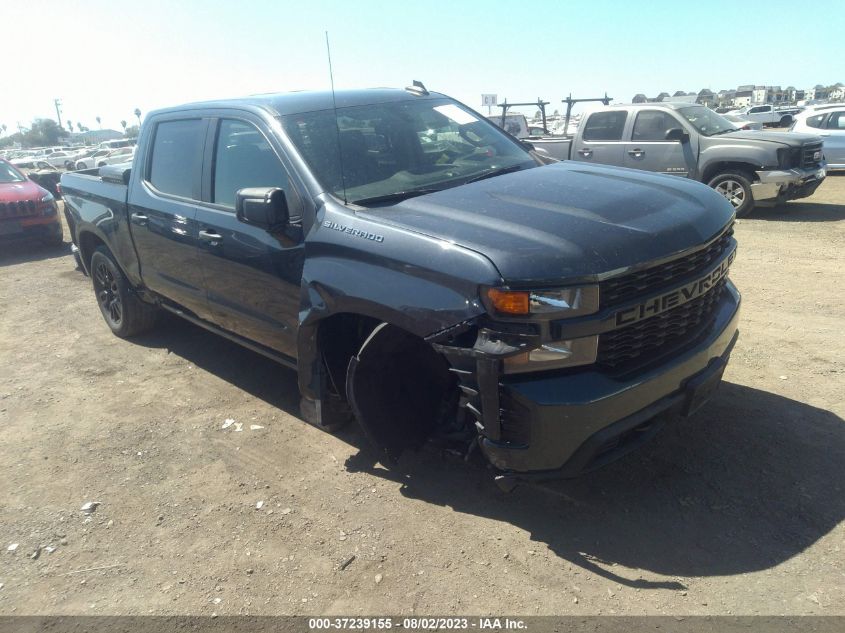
column 422, row 271
column 692, row 141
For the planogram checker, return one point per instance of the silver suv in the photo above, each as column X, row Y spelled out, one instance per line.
column 829, row 123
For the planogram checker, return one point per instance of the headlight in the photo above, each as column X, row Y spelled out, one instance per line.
column 563, row 302
column 47, row 198
column 555, row 355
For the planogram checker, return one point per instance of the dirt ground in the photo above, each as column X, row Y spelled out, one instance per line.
column 738, row 510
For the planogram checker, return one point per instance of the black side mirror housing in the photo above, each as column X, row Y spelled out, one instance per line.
column 527, row 145
column 264, row 207
column 677, row 134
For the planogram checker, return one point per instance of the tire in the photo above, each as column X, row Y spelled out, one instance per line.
column 124, row 313
column 786, row 120
column 735, row 186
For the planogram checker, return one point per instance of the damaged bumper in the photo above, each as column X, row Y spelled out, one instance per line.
column 781, row 185
column 566, row 422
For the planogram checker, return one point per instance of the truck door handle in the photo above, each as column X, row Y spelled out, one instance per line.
column 139, row 218
column 636, row 153
column 210, row 237
column 586, row 152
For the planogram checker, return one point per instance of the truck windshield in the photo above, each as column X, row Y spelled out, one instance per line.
column 706, row 121
column 390, row 151
column 9, row 174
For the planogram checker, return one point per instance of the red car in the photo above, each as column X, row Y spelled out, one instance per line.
column 27, row 209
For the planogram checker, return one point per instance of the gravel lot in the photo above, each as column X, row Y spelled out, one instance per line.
column 737, row 510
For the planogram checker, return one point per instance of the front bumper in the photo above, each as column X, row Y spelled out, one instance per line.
column 573, row 422
column 780, row 185
column 42, row 227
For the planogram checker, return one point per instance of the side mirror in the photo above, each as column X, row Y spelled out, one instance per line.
column 265, row 207
column 677, row 134
column 527, row 145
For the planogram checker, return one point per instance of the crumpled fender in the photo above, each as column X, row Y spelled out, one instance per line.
column 355, row 263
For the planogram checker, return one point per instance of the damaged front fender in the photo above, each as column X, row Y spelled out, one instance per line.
column 478, row 369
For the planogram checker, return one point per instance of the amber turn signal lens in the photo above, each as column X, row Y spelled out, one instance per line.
column 509, row 301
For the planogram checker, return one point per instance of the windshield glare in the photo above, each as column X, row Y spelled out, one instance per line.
column 706, row 121
column 390, row 148
column 9, row 174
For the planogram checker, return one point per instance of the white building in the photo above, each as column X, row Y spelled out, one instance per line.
column 742, row 99
column 759, row 95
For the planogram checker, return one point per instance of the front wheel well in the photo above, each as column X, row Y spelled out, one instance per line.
column 398, row 387
column 339, row 338
column 711, row 171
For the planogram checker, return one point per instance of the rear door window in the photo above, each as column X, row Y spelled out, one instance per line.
column 177, row 156
column 605, row 126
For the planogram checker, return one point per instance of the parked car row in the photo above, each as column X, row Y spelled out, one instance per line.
column 73, row 158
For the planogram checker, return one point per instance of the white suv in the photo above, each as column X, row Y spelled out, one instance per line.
column 829, row 123
column 106, row 157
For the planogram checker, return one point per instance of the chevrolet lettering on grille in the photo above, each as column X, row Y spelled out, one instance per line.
column 678, row 297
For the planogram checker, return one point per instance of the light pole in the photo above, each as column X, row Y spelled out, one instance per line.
column 58, row 103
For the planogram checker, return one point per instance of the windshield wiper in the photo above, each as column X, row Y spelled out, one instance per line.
column 396, row 196
column 492, row 173
column 733, row 129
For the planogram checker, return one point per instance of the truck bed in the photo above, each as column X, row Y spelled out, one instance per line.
column 96, row 199
column 556, row 146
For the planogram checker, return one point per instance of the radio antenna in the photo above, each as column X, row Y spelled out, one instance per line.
column 336, row 123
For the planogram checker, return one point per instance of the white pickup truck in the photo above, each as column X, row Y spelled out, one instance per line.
column 768, row 114
column 692, row 141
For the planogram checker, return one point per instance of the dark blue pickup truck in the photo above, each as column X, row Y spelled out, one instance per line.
column 423, row 271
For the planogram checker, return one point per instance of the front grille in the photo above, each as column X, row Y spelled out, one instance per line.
column 645, row 282
column 632, row 346
column 22, row 208
column 807, row 155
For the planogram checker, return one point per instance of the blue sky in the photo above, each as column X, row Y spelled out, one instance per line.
column 107, row 57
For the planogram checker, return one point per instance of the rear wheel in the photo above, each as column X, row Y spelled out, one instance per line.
column 736, row 188
column 786, row 120
column 121, row 308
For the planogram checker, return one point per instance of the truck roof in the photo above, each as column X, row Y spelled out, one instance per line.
column 284, row 103
column 671, row 105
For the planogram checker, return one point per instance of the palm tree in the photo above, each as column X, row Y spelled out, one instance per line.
column 70, row 125
column 138, row 114
column 98, row 119
column 79, row 125
column 123, row 125
column 4, row 128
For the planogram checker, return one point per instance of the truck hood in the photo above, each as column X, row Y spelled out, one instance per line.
column 790, row 139
column 567, row 221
